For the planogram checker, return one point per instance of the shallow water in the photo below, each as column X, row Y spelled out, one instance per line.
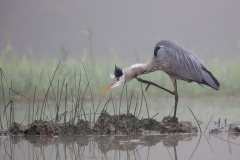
column 184, row 146
column 222, row 107
column 175, row 147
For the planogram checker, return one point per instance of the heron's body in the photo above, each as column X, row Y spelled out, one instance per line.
column 180, row 63
column 173, row 59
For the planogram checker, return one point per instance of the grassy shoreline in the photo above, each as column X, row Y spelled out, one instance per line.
column 28, row 76
column 73, row 86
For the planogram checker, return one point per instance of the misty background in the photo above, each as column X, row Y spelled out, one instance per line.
column 129, row 29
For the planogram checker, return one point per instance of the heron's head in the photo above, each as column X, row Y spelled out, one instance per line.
column 118, row 77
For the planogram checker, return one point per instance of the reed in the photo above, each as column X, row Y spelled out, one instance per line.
column 71, row 84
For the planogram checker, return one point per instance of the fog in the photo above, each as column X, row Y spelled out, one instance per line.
column 130, row 29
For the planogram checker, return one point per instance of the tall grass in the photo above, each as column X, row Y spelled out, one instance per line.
column 73, row 82
column 57, row 92
column 24, row 73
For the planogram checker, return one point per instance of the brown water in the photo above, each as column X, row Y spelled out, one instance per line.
column 184, row 146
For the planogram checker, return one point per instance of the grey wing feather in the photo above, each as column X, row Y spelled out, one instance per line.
column 180, row 63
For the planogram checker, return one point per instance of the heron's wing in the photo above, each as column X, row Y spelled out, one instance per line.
column 178, row 62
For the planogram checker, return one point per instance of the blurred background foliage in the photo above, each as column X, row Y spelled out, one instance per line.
column 35, row 36
column 23, row 73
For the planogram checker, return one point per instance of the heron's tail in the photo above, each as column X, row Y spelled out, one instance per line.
column 209, row 79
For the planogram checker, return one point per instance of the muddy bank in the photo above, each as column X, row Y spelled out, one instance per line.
column 129, row 124
column 123, row 124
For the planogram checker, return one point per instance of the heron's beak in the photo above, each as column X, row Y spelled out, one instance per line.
column 107, row 88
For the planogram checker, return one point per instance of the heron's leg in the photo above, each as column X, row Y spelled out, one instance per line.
column 151, row 83
column 174, row 81
column 175, row 93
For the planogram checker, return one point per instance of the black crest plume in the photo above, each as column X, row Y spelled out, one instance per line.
column 156, row 49
column 118, row 72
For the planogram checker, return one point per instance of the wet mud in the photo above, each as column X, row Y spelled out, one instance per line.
column 232, row 129
column 129, row 124
column 106, row 124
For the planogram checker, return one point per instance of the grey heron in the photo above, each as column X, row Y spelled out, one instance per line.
column 175, row 60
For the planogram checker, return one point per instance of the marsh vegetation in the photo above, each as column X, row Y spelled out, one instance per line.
column 43, row 102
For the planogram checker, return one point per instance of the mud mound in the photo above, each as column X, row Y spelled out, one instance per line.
column 123, row 124
column 233, row 129
column 81, row 128
column 117, row 124
column 16, row 128
column 173, row 126
column 43, row 128
column 129, row 124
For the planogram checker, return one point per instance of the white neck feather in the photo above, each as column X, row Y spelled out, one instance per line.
column 137, row 69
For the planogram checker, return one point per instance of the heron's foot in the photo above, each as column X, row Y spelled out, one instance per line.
column 169, row 119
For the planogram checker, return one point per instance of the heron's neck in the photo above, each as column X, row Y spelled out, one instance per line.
column 140, row 68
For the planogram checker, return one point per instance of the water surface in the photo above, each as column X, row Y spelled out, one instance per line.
column 183, row 146
column 204, row 107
